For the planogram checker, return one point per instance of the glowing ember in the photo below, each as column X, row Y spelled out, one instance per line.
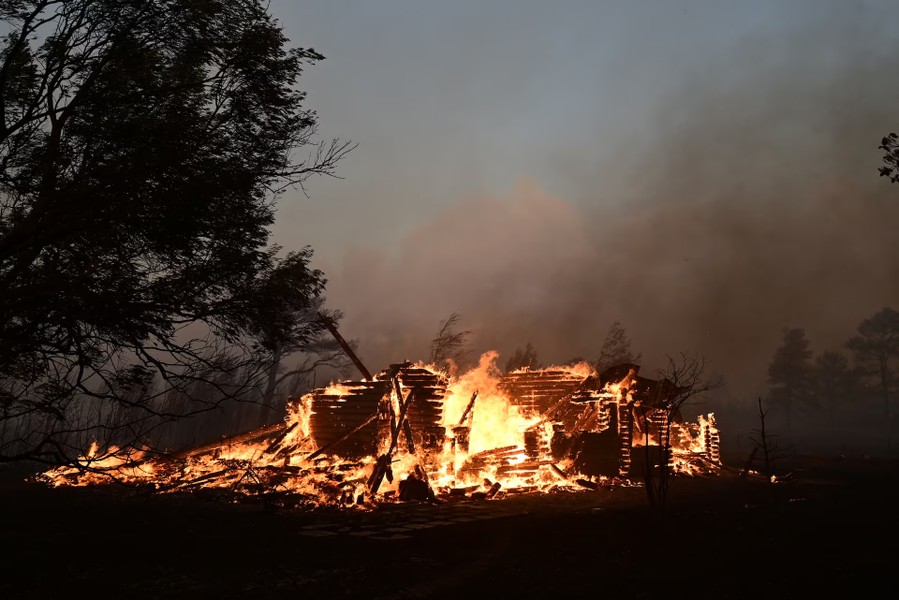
column 415, row 433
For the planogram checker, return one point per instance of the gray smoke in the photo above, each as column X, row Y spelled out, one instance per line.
column 752, row 203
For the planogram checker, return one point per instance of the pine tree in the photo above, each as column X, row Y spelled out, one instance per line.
column 522, row 358
column 875, row 348
column 833, row 381
column 789, row 373
column 616, row 349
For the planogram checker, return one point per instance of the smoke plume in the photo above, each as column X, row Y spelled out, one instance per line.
column 752, row 203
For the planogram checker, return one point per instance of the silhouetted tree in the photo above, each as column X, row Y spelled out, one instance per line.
column 874, row 348
column 769, row 445
column 789, row 373
column 521, row 358
column 616, row 349
column 686, row 380
column 142, row 147
column 307, row 347
column 833, row 380
column 450, row 343
column 890, row 147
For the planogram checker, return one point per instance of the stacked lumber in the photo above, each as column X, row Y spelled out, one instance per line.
column 711, row 439
column 535, row 392
column 335, row 415
column 495, row 458
column 625, row 438
column 426, row 411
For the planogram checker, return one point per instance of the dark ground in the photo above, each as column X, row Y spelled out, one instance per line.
column 829, row 530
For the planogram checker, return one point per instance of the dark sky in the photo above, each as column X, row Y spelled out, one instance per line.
column 705, row 172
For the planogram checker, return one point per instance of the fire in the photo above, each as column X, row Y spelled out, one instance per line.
column 413, row 432
column 496, row 422
column 100, row 465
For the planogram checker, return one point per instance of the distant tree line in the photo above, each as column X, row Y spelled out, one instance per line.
column 834, row 382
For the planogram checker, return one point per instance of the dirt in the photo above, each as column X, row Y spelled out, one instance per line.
column 828, row 527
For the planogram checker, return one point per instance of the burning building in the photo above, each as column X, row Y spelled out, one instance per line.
column 414, row 432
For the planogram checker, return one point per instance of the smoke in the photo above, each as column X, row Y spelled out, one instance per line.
column 751, row 202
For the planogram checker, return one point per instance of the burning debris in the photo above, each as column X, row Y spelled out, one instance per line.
column 412, row 432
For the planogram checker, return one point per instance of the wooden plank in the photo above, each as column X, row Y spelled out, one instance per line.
column 327, row 447
column 241, row 438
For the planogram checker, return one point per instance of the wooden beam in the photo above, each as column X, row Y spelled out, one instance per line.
column 407, row 428
column 280, row 438
column 382, row 466
column 241, row 438
column 468, row 408
column 329, row 324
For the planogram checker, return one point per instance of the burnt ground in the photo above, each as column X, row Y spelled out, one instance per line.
column 829, row 528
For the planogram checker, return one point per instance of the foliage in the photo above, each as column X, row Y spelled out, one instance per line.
column 523, row 358
column 890, row 147
column 833, row 380
column 308, row 346
column 450, row 343
column 789, row 373
column 875, row 348
column 142, row 147
column 616, row 349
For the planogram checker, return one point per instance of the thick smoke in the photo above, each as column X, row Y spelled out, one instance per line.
column 754, row 204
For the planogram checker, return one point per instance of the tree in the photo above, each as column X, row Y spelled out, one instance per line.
column 769, row 444
column 833, row 380
column 890, row 147
column 143, row 145
column 875, row 346
column 309, row 345
column 526, row 358
column 685, row 380
column 789, row 373
column 449, row 344
column 616, row 349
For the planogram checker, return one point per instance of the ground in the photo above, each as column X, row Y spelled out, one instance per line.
column 828, row 528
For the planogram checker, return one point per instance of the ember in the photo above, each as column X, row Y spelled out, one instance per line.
column 413, row 432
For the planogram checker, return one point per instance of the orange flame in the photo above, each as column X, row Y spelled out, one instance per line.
column 497, row 448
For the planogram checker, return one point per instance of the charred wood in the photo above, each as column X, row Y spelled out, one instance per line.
column 327, row 447
column 329, row 324
column 242, row 438
column 468, row 408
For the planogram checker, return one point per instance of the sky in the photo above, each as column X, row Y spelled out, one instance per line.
column 703, row 172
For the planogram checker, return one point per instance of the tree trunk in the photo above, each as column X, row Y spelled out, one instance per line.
column 268, row 397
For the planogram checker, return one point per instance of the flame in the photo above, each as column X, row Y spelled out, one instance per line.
column 495, row 421
column 501, row 445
